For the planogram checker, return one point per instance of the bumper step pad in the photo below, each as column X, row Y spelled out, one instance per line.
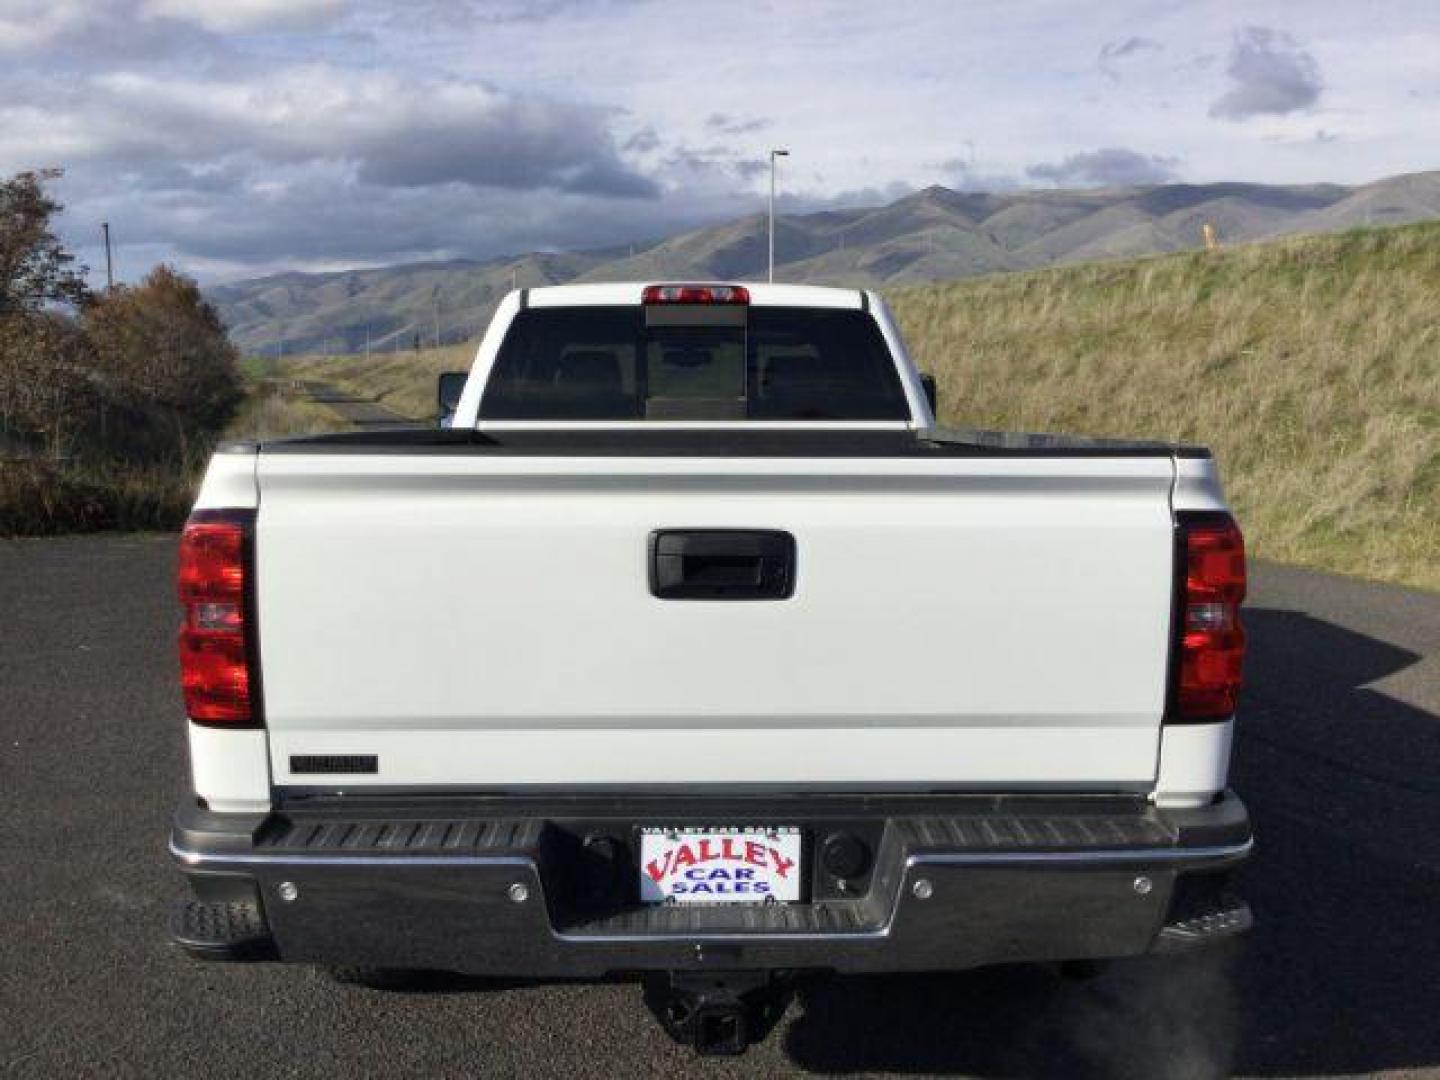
column 219, row 930
column 1193, row 933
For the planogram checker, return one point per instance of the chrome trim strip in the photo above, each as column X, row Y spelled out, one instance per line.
column 1123, row 856
column 225, row 858
column 1126, row 856
column 701, row 937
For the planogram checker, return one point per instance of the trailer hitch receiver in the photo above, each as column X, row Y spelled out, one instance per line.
column 718, row 1012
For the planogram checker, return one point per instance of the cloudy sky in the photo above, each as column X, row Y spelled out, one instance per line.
column 237, row 137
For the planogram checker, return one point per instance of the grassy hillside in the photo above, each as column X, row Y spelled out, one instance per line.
column 1311, row 366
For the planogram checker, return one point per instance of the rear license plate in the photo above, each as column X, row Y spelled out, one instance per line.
column 720, row 866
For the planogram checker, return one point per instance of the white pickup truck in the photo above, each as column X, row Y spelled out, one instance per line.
column 692, row 650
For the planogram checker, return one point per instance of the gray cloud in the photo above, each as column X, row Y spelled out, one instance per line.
column 391, row 132
column 1112, row 52
column 459, row 15
column 317, row 165
column 964, row 175
column 518, row 144
column 643, row 141
column 1108, row 167
column 535, row 11
column 850, row 198
column 724, row 124
column 318, row 216
column 245, row 15
column 1115, row 50
column 750, row 168
column 686, row 165
column 1270, row 75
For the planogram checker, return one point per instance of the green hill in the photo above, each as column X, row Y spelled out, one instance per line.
column 1311, row 365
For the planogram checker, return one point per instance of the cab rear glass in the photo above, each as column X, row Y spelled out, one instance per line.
column 696, row 363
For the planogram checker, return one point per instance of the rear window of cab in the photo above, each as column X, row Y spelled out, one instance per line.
column 694, row 363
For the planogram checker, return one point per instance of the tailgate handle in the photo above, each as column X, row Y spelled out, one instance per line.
column 722, row 564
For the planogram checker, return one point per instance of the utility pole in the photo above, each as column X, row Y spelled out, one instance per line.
column 436, row 300
column 109, row 262
column 770, row 276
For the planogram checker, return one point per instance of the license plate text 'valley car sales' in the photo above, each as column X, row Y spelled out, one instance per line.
column 720, row 866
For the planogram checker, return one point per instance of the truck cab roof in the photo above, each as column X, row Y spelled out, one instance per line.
column 762, row 294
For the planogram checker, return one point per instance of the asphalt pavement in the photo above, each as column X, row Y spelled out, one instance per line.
column 1338, row 758
column 361, row 412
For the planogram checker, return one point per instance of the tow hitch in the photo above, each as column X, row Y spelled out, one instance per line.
column 718, row 1012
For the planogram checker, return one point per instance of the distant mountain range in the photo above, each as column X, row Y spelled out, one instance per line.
column 930, row 235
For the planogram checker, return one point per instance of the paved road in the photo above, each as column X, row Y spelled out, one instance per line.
column 359, row 411
column 1340, row 761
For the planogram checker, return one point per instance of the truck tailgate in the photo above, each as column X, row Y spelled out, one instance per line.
column 487, row 622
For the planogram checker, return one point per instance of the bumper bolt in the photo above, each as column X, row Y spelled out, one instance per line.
column 923, row 889
column 1143, row 885
column 288, row 891
column 519, row 892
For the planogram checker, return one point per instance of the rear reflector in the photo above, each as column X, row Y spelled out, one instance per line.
column 1210, row 642
column 695, row 294
column 216, row 661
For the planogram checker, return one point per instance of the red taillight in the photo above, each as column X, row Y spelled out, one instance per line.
column 695, row 294
column 216, row 670
column 1210, row 649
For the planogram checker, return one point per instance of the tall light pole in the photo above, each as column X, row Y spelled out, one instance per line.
column 109, row 264
column 773, row 155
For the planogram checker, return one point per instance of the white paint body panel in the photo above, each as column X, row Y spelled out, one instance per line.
column 1194, row 762
column 487, row 621
column 229, row 482
column 230, row 769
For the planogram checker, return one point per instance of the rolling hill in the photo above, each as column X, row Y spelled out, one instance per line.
column 932, row 235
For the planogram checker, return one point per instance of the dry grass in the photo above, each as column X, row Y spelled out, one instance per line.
column 273, row 410
column 1311, row 366
column 44, row 498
